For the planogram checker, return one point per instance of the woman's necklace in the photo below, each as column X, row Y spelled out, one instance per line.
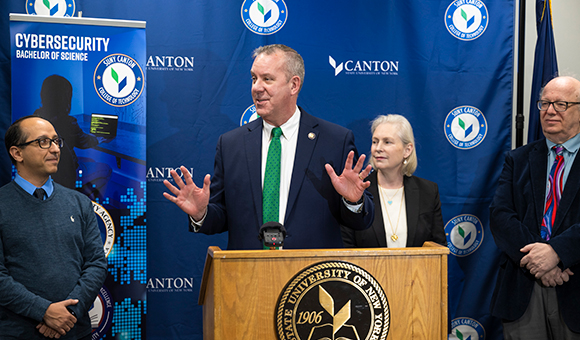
column 382, row 193
column 390, row 199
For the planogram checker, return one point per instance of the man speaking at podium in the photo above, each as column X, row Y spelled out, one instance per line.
column 279, row 168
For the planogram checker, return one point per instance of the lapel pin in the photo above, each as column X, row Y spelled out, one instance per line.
column 311, row 135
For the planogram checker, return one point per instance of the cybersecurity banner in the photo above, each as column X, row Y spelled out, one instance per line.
column 446, row 65
column 87, row 77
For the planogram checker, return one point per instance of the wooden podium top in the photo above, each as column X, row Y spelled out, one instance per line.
column 430, row 248
column 214, row 252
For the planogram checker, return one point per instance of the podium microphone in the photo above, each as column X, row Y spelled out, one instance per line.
column 272, row 235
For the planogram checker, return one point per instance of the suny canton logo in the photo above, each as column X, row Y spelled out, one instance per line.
column 118, row 80
column 170, row 63
column 264, row 17
column 464, row 234
column 366, row 67
column 249, row 115
column 466, row 329
column 170, row 285
column 465, row 127
column 101, row 314
column 159, row 174
column 53, row 8
column 466, row 19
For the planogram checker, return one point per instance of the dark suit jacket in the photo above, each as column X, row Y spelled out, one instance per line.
column 424, row 221
column 315, row 210
column 516, row 214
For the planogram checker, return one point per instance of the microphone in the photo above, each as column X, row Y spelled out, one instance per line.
column 272, row 235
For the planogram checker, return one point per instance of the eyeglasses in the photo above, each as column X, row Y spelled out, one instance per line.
column 559, row 106
column 45, row 143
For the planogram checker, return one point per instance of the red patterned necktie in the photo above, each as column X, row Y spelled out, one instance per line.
column 555, row 187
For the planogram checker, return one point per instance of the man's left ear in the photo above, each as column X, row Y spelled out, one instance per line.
column 295, row 81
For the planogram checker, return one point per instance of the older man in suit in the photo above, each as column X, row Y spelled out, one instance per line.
column 310, row 199
column 535, row 220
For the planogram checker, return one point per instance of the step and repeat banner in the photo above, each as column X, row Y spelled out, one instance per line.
column 446, row 65
column 87, row 77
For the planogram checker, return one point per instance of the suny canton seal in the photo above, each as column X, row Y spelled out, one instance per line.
column 466, row 328
column 118, row 80
column 53, row 8
column 264, row 17
column 464, row 234
column 101, row 314
column 249, row 115
column 465, row 127
column 466, row 19
column 332, row 300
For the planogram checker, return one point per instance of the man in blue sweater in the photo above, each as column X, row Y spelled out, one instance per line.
column 52, row 262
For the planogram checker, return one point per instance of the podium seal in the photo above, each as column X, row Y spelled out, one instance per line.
column 332, row 300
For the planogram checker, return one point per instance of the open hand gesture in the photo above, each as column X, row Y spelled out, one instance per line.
column 350, row 184
column 190, row 198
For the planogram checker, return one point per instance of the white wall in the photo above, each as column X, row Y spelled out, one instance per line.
column 566, row 22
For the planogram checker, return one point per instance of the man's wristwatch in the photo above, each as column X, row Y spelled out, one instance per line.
column 360, row 201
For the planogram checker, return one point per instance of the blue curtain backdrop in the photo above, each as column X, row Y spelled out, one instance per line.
column 446, row 65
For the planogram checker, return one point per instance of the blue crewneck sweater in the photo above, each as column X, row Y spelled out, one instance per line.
column 50, row 250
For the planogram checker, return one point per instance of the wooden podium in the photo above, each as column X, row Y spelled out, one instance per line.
column 240, row 289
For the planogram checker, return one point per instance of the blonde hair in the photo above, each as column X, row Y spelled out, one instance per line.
column 405, row 134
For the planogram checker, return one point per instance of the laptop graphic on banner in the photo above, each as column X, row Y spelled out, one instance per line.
column 104, row 125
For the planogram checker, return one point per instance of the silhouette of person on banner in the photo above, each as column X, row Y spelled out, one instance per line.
column 56, row 96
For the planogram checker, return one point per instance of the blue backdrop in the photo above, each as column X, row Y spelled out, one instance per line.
column 446, row 65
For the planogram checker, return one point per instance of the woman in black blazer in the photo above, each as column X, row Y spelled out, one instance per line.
column 407, row 208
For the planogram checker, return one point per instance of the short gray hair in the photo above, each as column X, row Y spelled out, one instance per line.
column 294, row 61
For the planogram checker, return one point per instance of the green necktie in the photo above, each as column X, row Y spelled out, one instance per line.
column 271, row 191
